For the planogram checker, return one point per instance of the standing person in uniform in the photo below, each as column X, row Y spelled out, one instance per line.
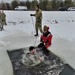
column 3, row 16
column 2, row 20
column 1, row 26
column 38, row 15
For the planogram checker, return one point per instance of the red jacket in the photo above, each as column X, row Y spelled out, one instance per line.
column 46, row 39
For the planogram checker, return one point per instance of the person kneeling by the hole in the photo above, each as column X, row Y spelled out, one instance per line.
column 46, row 39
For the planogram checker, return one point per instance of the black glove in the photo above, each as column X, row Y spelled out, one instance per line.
column 31, row 14
column 40, row 45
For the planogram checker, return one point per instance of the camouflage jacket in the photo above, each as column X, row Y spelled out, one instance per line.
column 3, row 16
column 0, row 19
column 38, row 15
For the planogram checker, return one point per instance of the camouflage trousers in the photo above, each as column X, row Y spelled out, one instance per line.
column 38, row 26
column 4, row 22
column 1, row 26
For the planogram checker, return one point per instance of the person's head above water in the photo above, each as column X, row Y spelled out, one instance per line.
column 32, row 49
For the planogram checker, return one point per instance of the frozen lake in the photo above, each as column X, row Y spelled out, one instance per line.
column 17, row 34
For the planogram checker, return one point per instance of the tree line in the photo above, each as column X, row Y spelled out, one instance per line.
column 48, row 5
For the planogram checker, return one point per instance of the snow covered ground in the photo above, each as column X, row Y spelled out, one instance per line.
column 19, row 29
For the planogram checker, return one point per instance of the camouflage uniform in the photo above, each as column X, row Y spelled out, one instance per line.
column 3, row 17
column 1, row 25
column 38, row 24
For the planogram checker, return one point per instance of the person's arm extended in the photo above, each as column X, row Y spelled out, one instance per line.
column 32, row 14
column 41, row 58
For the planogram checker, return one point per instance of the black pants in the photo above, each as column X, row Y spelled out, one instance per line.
column 44, row 49
column 1, row 27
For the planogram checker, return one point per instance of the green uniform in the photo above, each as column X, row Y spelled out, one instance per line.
column 38, row 23
column 1, row 25
column 3, row 17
